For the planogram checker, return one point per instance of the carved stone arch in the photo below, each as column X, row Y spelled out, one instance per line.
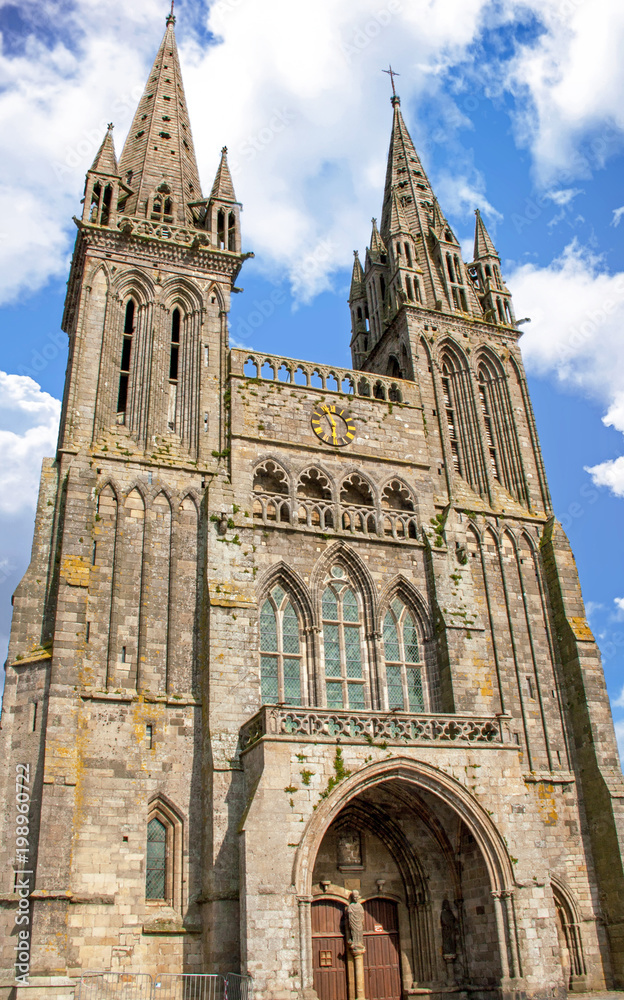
column 161, row 491
column 181, row 292
column 508, row 534
column 191, row 497
column 365, row 478
column 449, row 350
column 491, row 534
column 112, row 485
column 427, row 348
column 341, row 553
column 409, row 773
column 487, row 359
column 414, row 781
column 318, row 469
column 403, row 588
column 570, row 924
column 293, row 584
column 140, row 488
column 103, row 268
column 134, row 283
column 405, row 485
column 274, row 467
column 381, row 824
column 216, row 291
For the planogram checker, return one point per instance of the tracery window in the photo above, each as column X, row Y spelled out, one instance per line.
column 343, row 644
column 404, row 667
column 124, row 364
column 280, row 650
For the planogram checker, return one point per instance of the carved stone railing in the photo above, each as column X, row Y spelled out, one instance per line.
column 306, row 374
column 163, row 231
column 374, row 728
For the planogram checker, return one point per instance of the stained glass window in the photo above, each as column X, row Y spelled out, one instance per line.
column 342, row 642
column 404, row 682
column 280, row 650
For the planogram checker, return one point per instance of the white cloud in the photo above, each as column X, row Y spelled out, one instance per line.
column 571, row 80
column 619, row 603
column 591, row 607
column 577, row 312
column 28, row 430
column 565, row 196
column 303, row 111
column 617, row 216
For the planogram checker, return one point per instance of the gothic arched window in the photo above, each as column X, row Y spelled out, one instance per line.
column 174, row 360
column 164, row 860
column 343, row 644
column 403, row 659
column 280, row 650
column 156, row 867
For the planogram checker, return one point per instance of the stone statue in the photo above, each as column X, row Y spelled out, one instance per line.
column 355, row 916
column 448, row 920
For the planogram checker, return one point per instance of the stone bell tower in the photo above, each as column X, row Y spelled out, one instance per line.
column 107, row 646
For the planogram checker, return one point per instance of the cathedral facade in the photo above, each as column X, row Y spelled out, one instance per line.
column 299, row 674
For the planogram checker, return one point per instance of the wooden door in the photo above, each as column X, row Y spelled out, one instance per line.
column 329, row 949
column 382, row 969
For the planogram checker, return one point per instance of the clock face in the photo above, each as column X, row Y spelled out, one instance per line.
column 333, row 425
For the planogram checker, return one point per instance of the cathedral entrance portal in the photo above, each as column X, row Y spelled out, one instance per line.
column 432, row 890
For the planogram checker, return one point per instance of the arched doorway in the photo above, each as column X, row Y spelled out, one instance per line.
column 431, row 877
column 570, row 941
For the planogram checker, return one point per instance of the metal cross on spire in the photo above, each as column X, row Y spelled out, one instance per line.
column 391, row 73
column 171, row 18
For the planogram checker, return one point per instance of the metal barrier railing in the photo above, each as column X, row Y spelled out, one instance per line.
column 168, row 986
column 114, row 986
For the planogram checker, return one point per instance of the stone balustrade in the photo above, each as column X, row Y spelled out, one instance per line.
column 374, row 728
column 306, row 374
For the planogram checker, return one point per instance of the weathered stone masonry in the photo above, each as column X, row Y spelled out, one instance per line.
column 260, row 660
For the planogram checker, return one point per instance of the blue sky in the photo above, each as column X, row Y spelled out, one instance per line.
column 515, row 109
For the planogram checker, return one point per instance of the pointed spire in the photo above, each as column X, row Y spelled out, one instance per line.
column 397, row 223
column 405, row 173
column 106, row 162
column 377, row 245
column 483, row 246
column 438, row 222
column 223, row 188
column 171, row 19
column 357, row 279
column 158, row 154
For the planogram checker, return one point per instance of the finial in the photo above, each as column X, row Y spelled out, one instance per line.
column 171, row 19
column 110, row 126
column 224, row 150
column 374, row 223
column 356, row 253
column 395, row 99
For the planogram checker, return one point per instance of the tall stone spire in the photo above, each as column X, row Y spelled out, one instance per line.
column 158, row 160
column 405, row 174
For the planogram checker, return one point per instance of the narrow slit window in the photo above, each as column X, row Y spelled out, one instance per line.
column 175, row 346
column 221, row 229
column 124, row 367
column 232, row 231
column 156, row 868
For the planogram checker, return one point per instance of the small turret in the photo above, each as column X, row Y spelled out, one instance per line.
column 485, row 270
column 359, row 313
column 223, row 211
column 104, row 191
